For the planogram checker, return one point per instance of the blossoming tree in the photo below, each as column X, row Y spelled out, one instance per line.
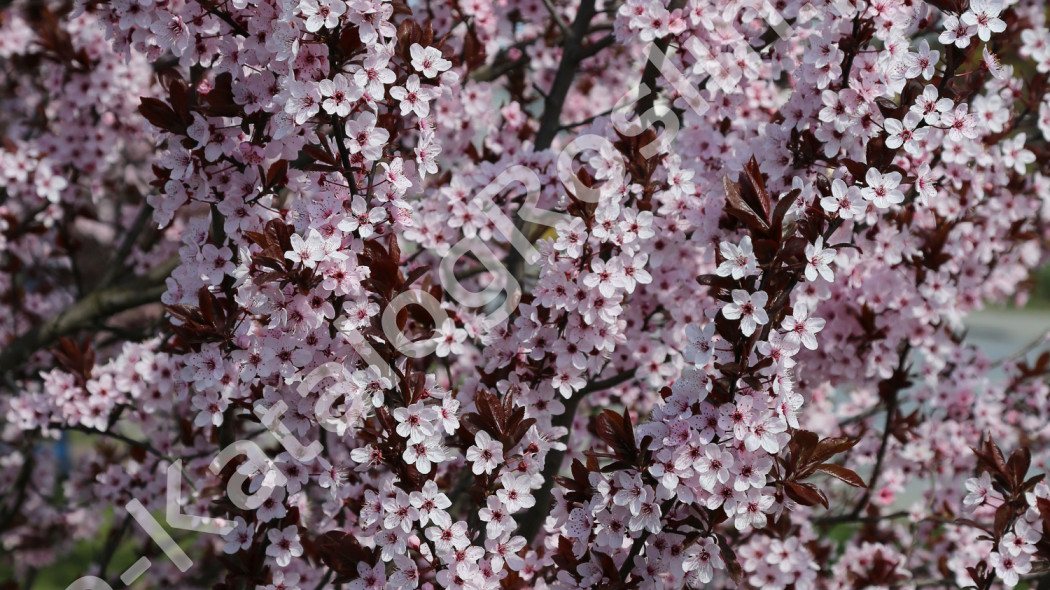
column 543, row 293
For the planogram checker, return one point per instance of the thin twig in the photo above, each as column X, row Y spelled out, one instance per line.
column 116, row 436
column 862, row 416
column 638, row 543
column 598, row 45
column 226, row 18
column 573, row 53
column 111, row 546
column 324, row 580
column 891, row 411
column 652, row 70
column 124, row 250
column 558, row 20
column 1023, row 351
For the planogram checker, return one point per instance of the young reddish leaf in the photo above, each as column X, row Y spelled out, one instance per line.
column 628, row 430
column 781, row 210
column 1043, row 505
column 740, row 209
column 805, row 493
column 220, row 101
column 736, row 572
column 77, row 358
column 802, row 444
column 277, row 174
column 350, row 40
column 401, row 7
column 840, row 472
column 1017, row 466
column 414, row 276
column 888, row 107
column 829, row 447
column 160, row 115
column 1032, row 481
column 753, row 189
column 856, row 169
column 319, row 154
column 616, row 431
column 1003, row 514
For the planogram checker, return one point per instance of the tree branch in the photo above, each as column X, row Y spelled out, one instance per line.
column 501, row 64
column 124, row 250
column 116, row 436
column 112, row 543
column 558, row 20
column 537, row 515
column 573, row 53
column 652, row 69
column 226, row 18
column 598, row 45
column 891, row 412
column 87, row 312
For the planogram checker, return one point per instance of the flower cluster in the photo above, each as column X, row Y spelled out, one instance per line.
column 582, row 294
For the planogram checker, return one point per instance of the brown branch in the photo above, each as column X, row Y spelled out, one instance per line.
column 87, row 312
column 637, row 544
column 652, row 70
column 501, row 64
column 338, row 125
column 891, row 411
column 112, row 543
column 109, row 433
column 537, row 515
column 573, row 53
column 558, row 20
column 225, row 17
column 494, row 71
column 124, row 250
column 598, row 45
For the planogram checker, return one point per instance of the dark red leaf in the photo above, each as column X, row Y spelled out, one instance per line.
column 160, row 115
column 829, row 447
column 742, row 210
column 840, row 472
column 1003, row 514
column 805, row 493
column 277, row 174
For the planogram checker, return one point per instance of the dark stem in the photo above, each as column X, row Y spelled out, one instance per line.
column 572, row 55
column 891, row 411
column 563, row 78
column 226, row 18
column 124, row 250
column 537, row 515
column 87, row 312
column 652, row 69
column 324, row 580
column 115, row 536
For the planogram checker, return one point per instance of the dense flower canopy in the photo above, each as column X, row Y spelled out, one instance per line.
column 527, row 294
